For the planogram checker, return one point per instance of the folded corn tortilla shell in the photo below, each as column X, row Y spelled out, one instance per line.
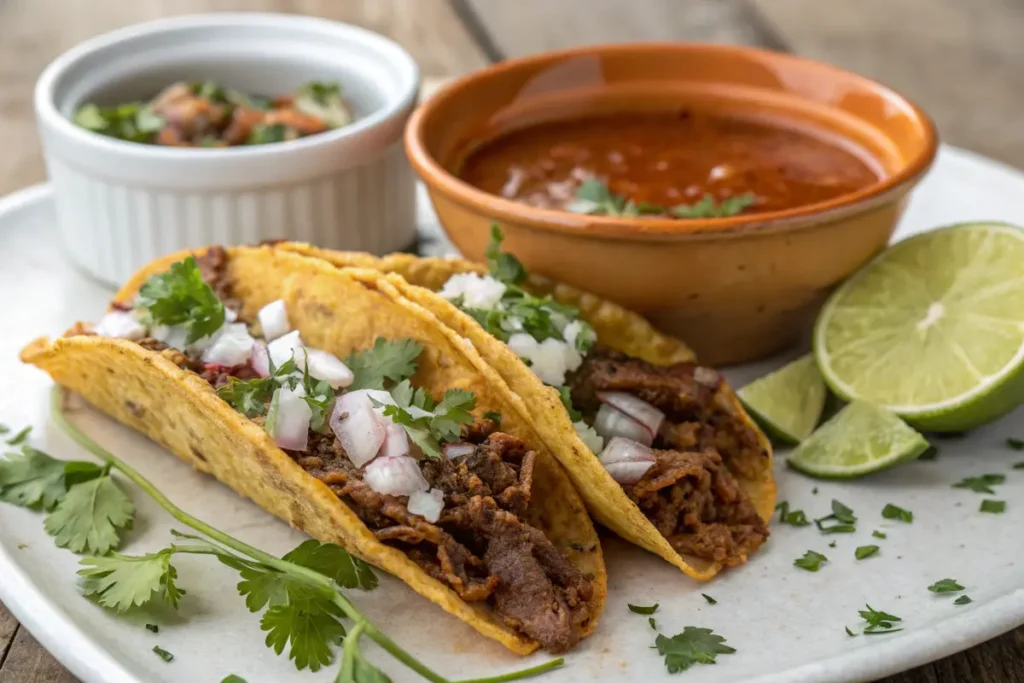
column 339, row 312
column 419, row 279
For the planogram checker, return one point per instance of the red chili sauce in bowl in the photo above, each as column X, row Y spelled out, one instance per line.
column 682, row 164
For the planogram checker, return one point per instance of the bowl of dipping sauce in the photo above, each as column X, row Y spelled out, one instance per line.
column 228, row 129
column 721, row 191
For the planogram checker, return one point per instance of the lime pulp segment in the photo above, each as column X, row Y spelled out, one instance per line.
column 787, row 403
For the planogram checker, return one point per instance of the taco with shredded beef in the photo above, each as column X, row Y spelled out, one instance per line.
column 356, row 418
column 658, row 446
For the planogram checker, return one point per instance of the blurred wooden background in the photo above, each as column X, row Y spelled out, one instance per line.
column 963, row 60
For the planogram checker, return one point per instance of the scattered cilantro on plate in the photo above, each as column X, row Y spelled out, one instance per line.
column 993, row 506
column 692, row 646
column 811, row 561
column 641, row 609
column 945, row 586
column 891, row 511
column 982, row 484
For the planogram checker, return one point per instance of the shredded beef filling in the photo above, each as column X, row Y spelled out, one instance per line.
column 691, row 493
column 480, row 546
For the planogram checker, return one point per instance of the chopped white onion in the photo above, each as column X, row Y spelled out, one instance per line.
column 172, row 335
column 120, row 324
column 326, row 366
column 550, row 359
column 282, row 350
column 628, row 472
column 707, row 377
column 589, row 436
column 260, row 360
column 396, row 441
column 458, row 450
column 371, row 397
column 274, row 320
column 621, row 452
column 288, row 419
column 636, row 408
column 231, row 346
column 611, row 423
column 395, row 476
column 427, row 504
column 230, row 314
column 476, row 291
column 360, row 431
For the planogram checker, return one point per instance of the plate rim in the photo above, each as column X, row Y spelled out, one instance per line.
column 63, row 638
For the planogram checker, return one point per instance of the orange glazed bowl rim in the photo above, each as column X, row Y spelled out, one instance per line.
column 438, row 178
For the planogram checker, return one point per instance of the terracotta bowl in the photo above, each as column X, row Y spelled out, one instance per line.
column 734, row 288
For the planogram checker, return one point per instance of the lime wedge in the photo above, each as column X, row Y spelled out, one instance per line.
column 932, row 329
column 788, row 402
column 860, row 439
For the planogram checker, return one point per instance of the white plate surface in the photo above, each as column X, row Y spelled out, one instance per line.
column 786, row 623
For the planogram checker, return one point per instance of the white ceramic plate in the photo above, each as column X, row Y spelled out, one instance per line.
column 786, row 624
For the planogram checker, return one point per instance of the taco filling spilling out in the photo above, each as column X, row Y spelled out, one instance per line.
column 427, row 477
column 664, row 433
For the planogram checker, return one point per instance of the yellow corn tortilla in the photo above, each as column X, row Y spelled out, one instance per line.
column 419, row 279
column 339, row 311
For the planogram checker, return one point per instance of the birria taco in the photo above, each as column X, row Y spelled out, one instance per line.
column 658, row 446
column 411, row 452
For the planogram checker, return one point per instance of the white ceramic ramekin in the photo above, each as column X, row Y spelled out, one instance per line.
column 122, row 204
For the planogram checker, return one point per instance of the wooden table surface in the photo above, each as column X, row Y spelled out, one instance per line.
column 963, row 60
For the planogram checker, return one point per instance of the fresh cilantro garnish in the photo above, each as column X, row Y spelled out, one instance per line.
column 152, row 628
column 878, row 534
column 324, row 101
column 132, row 121
column 865, row 551
column 209, row 90
column 692, row 646
column 891, row 511
column 1018, row 466
column 90, row 516
column 710, row 600
column 707, row 207
column 264, row 134
column 251, row 397
column 33, row 479
column 849, row 632
column 982, row 484
column 945, row 586
column 653, row 624
column 962, row 600
column 565, row 395
column 232, row 678
column 319, row 396
column 842, row 520
column 832, row 544
column 162, row 653
column 879, row 622
column 811, row 561
column 504, row 267
column 640, row 609
column 1014, row 443
column 442, row 424
column 181, row 297
column 494, row 416
column 121, row 581
column 385, row 360
column 794, row 518
column 993, row 506
column 20, row 437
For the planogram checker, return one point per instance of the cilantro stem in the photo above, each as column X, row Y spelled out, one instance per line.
column 349, row 650
column 362, row 624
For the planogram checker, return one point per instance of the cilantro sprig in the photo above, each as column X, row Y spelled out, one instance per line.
column 945, row 586
column 791, row 517
column 692, row 646
column 441, row 423
column 879, row 622
column 891, row 511
column 593, row 197
column 811, row 561
column 982, row 484
column 385, row 361
column 841, row 521
column 181, row 297
column 302, row 594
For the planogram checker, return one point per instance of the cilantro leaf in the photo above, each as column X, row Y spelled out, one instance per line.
column 153, row 628
column 162, row 653
column 494, row 416
column 451, row 413
column 811, row 561
column 36, row 480
column 308, row 627
column 503, row 266
column 429, row 431
column 20, row 437
column 982, row 484
column 641, row 609
column 710, row 600
column 249, row 397
column 843, row 518
column 878, row 534
column 181, row 297
column 707, row 207
column 385, row 360
column 865, row 551
column 90, row 516
column 878, row 622
column 653, row 624
column 1014, row 443
column 849, row 632
column 993, row 506
column 324, row 101
column 962, row 600
column 945, row 586
column 793, row 518
column 121, row 581
column 692, row 646
column 891, row 511
column 232, row 678
column 566, row 398
column 334, row 562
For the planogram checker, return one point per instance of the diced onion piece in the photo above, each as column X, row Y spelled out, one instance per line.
column 326, row 366
column 477, row 291
column 260, row 359
column 589, row 436
column 621, row 452
column 361, row 431
column 120, row 324
column 172, row 335
column 427, row 504
column 549, row 359
column 707, row 377
column 288, row 419
column 274, row 320
column 636, row 408
column 396, row 441
column 230, row 314
column 611, row 423
column 284, row 348
column 395, row 476
column 458, row 450
column 231, row 346
column 628, row 472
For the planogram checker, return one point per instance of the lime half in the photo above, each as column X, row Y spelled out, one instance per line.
column 787, row 403
column 932, row 329
column 859, row 439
